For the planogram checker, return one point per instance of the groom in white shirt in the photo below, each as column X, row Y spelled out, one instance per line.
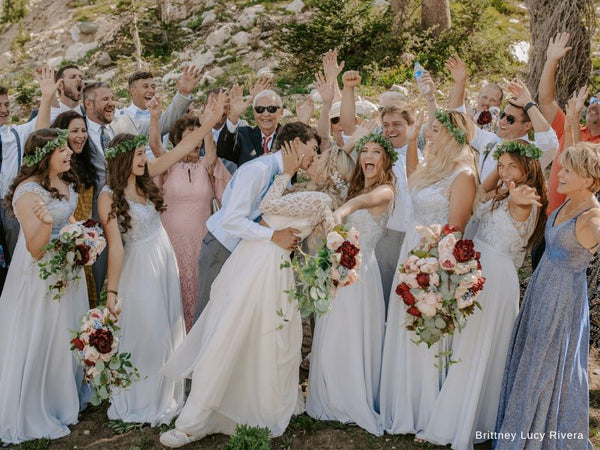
column 240, row 214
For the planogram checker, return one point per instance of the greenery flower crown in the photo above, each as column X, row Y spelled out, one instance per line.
column 528, row 150
column 446, row 121
column 126, row 146
column 378, row 139
column 40, row 152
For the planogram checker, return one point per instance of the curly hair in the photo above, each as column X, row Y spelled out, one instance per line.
column 533, row 176
column 82, row 162
column 41, row 171
column 118, row 170
column 182, row 124
column 384, row 177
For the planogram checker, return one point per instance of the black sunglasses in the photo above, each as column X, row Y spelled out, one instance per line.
column 271, row 108
column 335, row 120
column 510, row 118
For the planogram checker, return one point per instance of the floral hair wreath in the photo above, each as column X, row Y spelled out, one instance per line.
column 378, row 139
column 126, row 146
column 40, row 152
column 528, row 150
column 457, row 133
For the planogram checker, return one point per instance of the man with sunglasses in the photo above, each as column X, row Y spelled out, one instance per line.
column 252, row 142
column 520, row 115
column 590, row 132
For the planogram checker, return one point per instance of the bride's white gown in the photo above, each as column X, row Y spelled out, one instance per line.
column 410, row 380
column 243, row 356
column 151, row 319
column 345, row 360
column 40, row 380
column 468, row 401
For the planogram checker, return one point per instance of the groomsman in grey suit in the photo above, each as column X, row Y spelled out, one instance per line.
column 99, row 103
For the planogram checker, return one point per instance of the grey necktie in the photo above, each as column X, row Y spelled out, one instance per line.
column 104, row 138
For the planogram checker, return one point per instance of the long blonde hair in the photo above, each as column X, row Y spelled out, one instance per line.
column 450, row 154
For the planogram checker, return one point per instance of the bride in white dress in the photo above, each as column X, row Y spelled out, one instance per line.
column 443, row 190
column 143, row 273
column 244, row 358
column 40, row 380
column 509, row 223
column 346, row 351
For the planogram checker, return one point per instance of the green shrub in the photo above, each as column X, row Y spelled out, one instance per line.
column 250, row 438
column 13, row 10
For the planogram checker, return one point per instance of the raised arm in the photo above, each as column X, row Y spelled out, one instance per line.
column 332, row 70
column 115, row 249
column 557, row 49
column 574, row 107
column 305, row 109
column 463, row 191
column 326, row 90
column 45, row 77
column 377, row 200
column 412, row 153
column 351, row 79
column 154, row 134
column 458, row 70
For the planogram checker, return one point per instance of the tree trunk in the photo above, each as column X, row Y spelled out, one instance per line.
column 136, row 37
column 435, row 15
column 400, row 10
column 548, row 17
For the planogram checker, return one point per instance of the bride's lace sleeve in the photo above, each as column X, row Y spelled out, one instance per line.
column 315, row 205
column 527, row 227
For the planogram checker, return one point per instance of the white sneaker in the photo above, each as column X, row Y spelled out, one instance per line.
column 175, row 438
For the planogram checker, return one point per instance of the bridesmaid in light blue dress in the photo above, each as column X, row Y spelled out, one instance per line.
column 545, row 398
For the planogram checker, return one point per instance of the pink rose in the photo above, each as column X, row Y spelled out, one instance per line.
column 351, row 278
column 96, row 314
column 409, row 278
column 447, row 260
column 428, row 265
column 429, row 235
column 411, row 264
column 426, row 309
column 434, row 279
column 334, row 240
column 447, row 244
column 352, row 236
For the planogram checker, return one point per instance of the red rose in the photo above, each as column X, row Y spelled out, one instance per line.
column 402, row 287
column 102, row 340
column 478, row 286
column 348, row 248
column 403, row 290
column 90, row 223
column 413, row 310
column 464, row 250
column 82, row 254
column 348, row 261
column 484, row 117
column 77, row 343
column 423, row 280
column 89, row 363
column 449, row 229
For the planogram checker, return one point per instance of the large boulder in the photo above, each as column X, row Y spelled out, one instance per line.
column 219, row 36
column 249, row 16
column 78, row 50
column 209, row 17
column 87, row 27
column 203, row 59
column 241, row 39
column 295, row 7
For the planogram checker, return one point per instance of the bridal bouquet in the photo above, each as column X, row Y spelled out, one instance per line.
column 95, row 346
column 334, row 265
column 78, row 244
column 439, row 283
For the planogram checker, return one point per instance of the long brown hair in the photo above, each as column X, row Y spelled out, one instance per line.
column 385, row 176
column 41, row 170
column 533, row 176
column 118, row 170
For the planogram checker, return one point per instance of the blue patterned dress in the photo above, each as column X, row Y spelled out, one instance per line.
column 545, row 399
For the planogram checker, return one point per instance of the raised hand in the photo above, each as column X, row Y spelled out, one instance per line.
column 457, row 67
column 351, row 79
column 366, row 127
column 426, row 79
column 262, row 83
column 581, row 97
column 44, row 75
column 415, row 128
column 291, row 160
column 330, row 65
column 305, row 109
column 523, row 195
column 557, row 47
column 154, row 108
column 214, row 109
column 520, row 92
column 237, row 103
column 326, row 88
column 42, row 213
column 188, row 80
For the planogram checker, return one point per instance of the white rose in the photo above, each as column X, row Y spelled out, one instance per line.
column 334, row 240
column 426, row 309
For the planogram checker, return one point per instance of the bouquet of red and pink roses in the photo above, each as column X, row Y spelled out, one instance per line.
column 95, row 346
column 439, row 283
column 78, row 244
column 334, row 265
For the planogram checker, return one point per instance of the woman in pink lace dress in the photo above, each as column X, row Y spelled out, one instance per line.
column 188, row 190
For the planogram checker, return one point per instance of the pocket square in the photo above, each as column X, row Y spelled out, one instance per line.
column 253, row 152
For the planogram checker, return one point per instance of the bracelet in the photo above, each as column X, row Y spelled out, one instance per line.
column 110, row 291
column 529, row 105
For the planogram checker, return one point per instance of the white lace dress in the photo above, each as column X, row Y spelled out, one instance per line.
column 151, row 319
column 345, row 360
column 410, row 380
column 468, row 401
column 40, row 380
column 245, row 366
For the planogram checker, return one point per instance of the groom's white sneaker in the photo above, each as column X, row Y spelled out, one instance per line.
column 175, row 438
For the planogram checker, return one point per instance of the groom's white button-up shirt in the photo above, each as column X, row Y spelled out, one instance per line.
column 237, row 219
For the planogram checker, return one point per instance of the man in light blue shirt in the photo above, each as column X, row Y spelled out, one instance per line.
column 240, row 214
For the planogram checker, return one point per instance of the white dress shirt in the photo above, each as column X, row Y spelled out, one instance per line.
column 10, row 154
column 135, row 112
column 54, row 112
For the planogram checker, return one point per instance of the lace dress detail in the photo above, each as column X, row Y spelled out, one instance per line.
column 313, row 206
column 145, row 220
column 369, row 227
column 499, row 230
column 61, row 209
column 432, row 203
